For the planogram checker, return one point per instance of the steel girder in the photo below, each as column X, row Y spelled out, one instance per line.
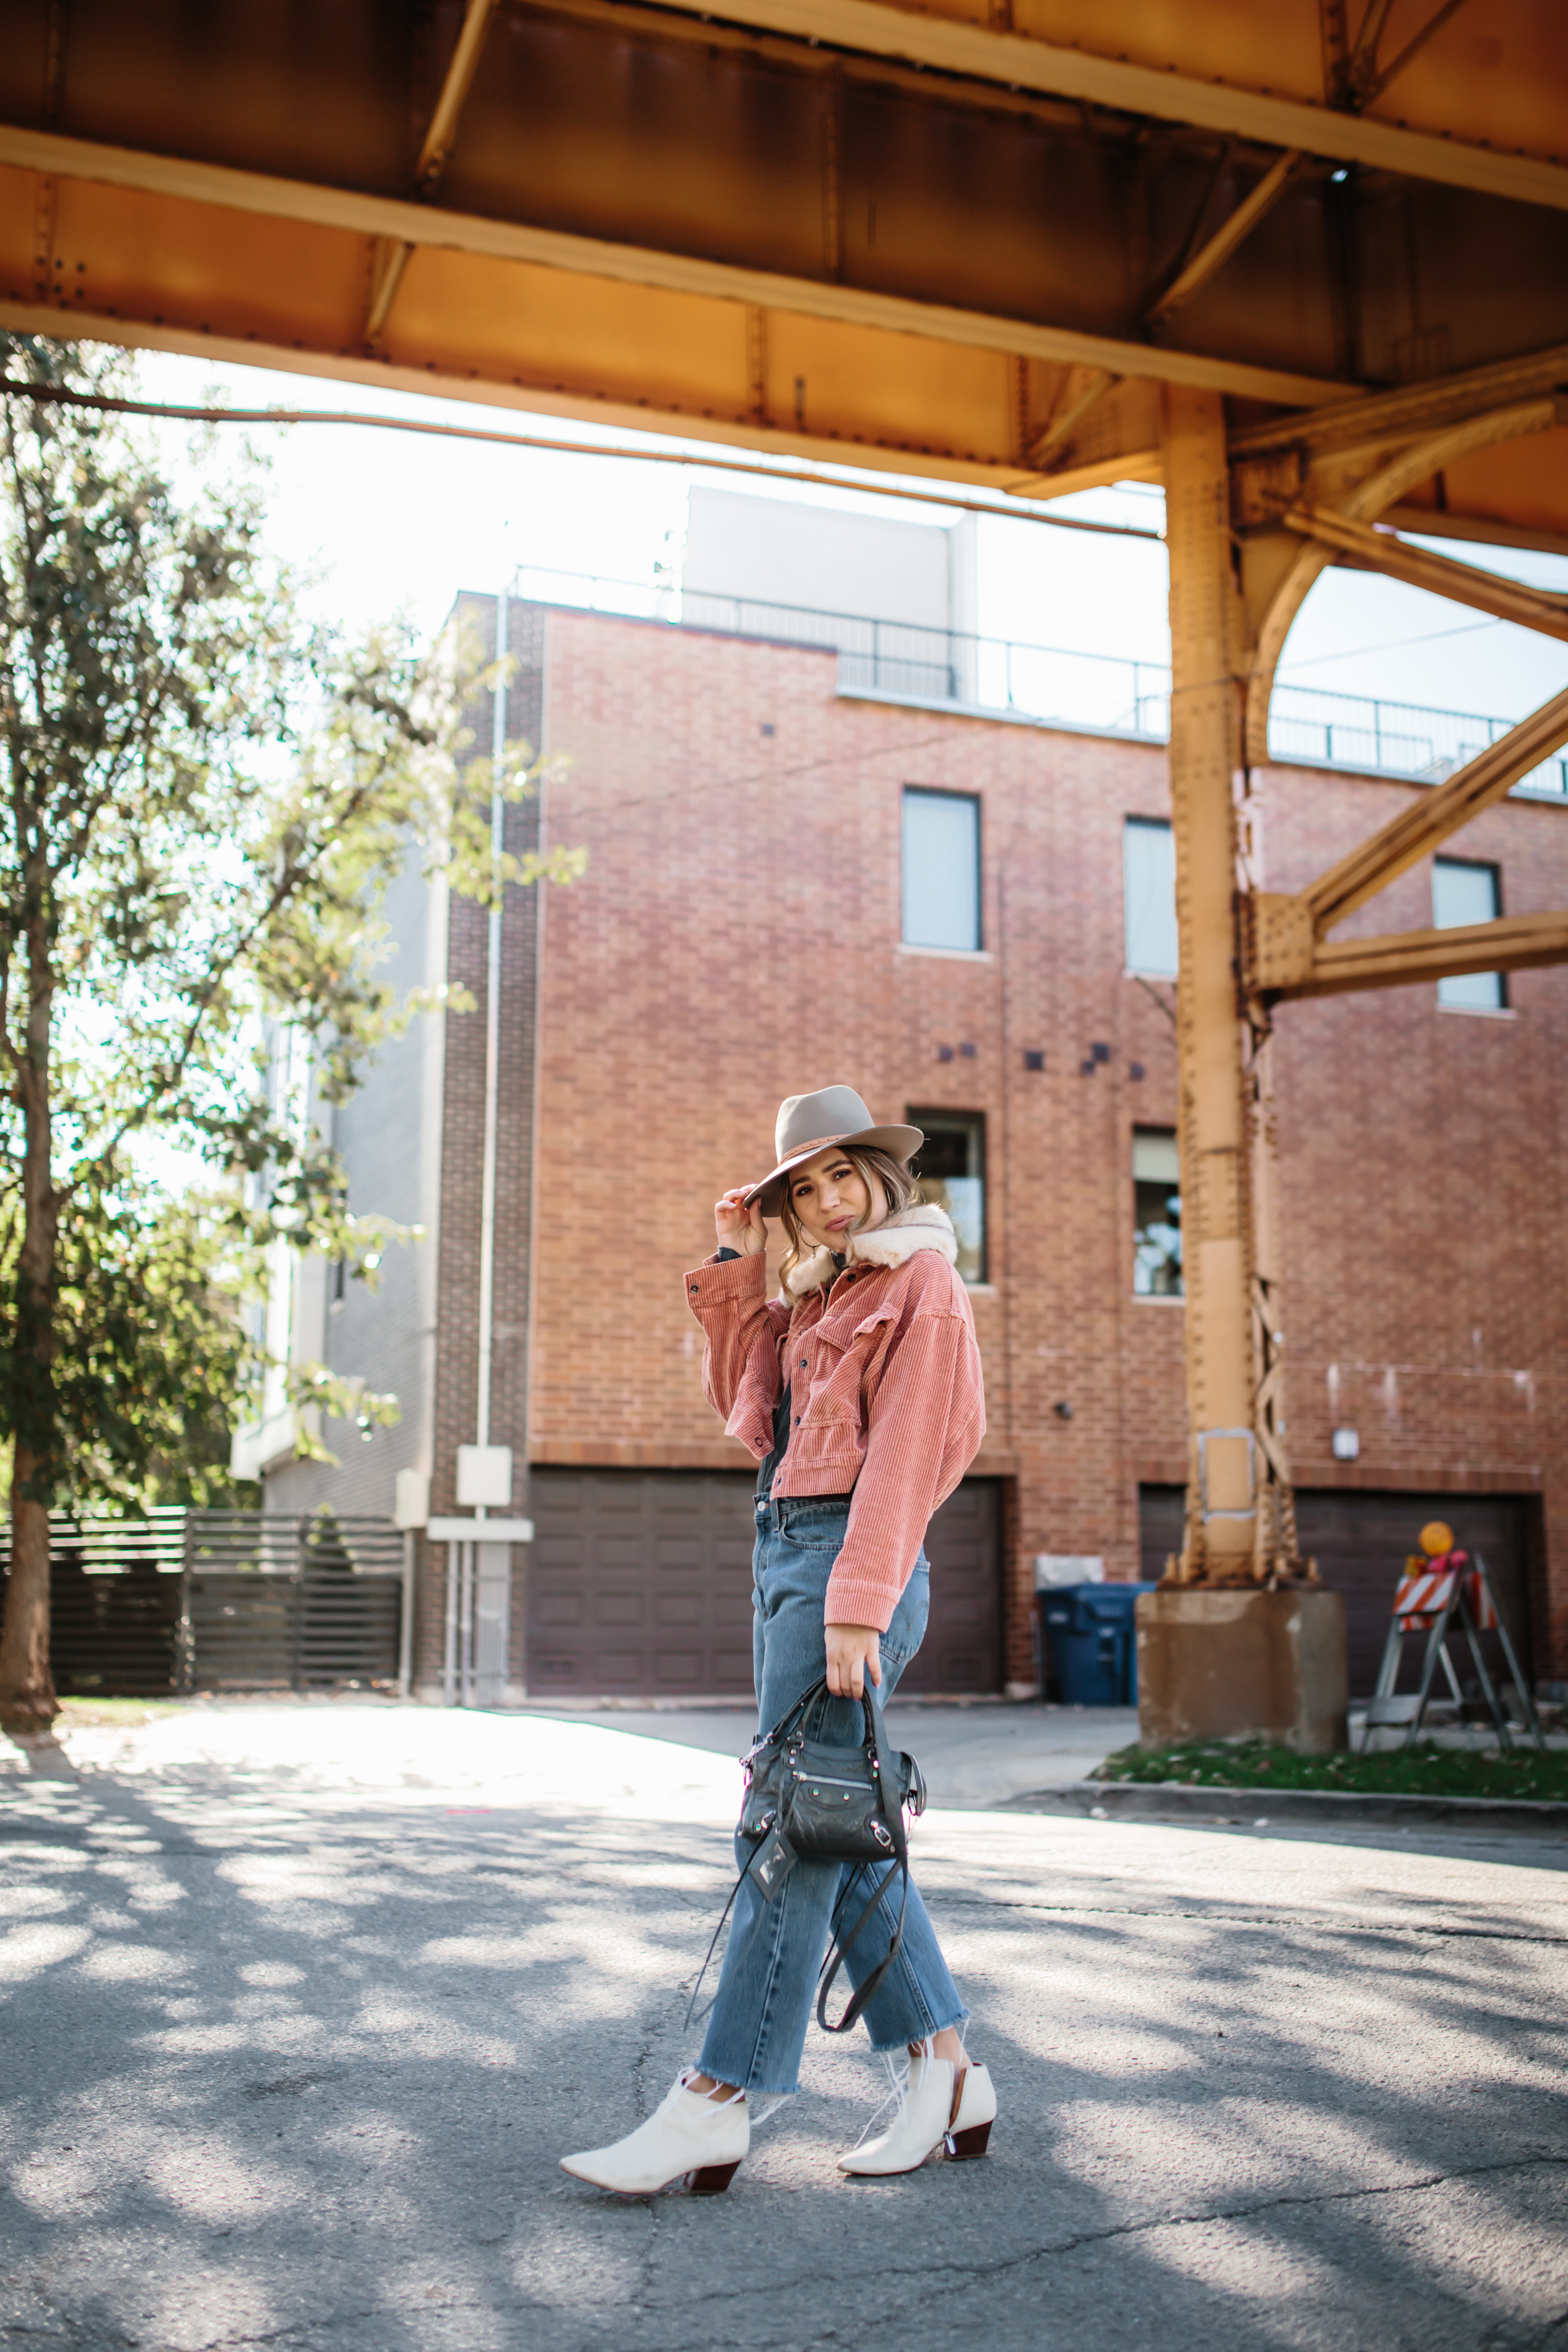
column 823, row 225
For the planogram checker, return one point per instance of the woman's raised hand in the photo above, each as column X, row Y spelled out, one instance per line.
column 738, row 1227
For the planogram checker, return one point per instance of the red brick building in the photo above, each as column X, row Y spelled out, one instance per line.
column 740, row 934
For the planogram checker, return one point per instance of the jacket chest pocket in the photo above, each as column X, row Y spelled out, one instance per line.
column 850, row 1356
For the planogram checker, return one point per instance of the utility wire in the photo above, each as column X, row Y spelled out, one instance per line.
column 1427, row 637
column 61, row 395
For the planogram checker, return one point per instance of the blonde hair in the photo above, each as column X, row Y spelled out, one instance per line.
column 879, row 1172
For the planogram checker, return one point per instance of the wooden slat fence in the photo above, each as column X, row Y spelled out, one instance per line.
column 182, row 1601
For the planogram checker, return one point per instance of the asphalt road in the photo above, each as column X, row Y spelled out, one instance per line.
column 301, row 2005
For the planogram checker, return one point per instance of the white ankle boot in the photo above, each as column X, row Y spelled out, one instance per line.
column 689, row 2133
column 937, row 2110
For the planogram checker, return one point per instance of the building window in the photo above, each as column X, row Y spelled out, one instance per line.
column 1156, row 1214
column 950, row 1165
column 942, row 869
column 1463, row 893
column 1149, row 896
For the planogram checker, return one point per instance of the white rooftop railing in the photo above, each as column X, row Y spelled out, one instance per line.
column 1050, row 685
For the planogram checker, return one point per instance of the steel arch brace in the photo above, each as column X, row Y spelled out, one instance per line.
column 1382, row 488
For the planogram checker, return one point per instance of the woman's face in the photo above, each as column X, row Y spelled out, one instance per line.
column 828, row 1197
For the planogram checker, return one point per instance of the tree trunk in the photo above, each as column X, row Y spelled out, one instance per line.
column 27, row 1702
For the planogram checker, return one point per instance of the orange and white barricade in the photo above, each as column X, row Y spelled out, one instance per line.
column 1425, row 1590
column 1443, row 1590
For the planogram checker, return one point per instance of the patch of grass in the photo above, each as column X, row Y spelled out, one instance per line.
column 1424, row 1770
column 118, row 1713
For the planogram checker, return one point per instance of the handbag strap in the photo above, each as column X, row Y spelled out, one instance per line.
column 843, row 1944
column 893, row 1820
column 816, row 1700
column 713, row 1939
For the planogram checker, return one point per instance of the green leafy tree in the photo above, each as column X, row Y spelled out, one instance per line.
column 202, row 800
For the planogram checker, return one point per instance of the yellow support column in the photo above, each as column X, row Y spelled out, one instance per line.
column 1205, row 770
column 1239, row 1641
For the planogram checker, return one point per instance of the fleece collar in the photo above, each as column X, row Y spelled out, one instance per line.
column 892, row 1243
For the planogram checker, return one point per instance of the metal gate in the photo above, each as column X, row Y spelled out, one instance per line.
column 186, row 1600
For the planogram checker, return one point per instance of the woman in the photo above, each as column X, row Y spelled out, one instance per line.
column 860, row 1391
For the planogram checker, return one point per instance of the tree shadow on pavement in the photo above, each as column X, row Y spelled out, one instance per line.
column 298, row 2075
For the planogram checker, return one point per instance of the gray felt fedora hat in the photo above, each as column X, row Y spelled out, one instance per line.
column 808, row 1124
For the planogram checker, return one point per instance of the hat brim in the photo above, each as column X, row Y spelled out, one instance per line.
column 901, row 1142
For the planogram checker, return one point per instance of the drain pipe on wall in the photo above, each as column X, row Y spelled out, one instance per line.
column 462, row 1557
column 492, row 1039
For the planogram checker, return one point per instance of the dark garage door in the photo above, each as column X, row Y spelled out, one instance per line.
column 640, row 1585
column 963, row 1648
column 1360, row 1543
column 640, row 1582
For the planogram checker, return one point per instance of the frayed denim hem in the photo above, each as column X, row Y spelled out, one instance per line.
column 959, row 2017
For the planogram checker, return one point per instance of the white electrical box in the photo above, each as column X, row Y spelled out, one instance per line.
column 484, row 1476
column 1057, row 1568
column 411, row 1499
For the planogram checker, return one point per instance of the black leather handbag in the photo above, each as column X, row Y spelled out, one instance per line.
column 809, row 1800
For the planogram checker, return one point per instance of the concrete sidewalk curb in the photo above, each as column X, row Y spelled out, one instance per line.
column 1323, row 1808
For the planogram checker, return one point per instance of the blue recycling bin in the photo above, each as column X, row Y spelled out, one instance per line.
column 1089, row 1637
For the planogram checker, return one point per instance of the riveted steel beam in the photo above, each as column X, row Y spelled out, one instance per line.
column 1383, row 418
column 1018, row 61
column 391, row 255
column 1383, row 550
column 1402, row 957
column 439, row 228
column 1217, row 251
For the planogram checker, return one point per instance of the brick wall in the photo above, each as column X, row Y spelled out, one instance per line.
column 736, row 938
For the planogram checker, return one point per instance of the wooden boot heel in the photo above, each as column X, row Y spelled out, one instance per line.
column 714, row 2178
column 972, row 2097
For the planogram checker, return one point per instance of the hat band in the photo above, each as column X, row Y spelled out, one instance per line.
column 804, row 1150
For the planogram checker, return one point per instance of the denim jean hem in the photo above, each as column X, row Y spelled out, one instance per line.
column 765, row 2090
column 886, row 2049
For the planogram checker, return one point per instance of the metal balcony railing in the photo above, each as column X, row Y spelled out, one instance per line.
column 1049, row 686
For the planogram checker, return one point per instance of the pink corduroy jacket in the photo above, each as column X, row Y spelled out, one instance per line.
column 886, row 1394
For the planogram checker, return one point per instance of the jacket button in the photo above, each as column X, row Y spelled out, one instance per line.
column 694, row 1290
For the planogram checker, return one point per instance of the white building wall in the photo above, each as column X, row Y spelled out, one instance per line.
column 826, row 560
column 388, row 1134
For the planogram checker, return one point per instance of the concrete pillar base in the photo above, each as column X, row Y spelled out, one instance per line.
column 1216, row 1662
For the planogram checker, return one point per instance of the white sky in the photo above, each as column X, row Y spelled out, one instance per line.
column 396, row 521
